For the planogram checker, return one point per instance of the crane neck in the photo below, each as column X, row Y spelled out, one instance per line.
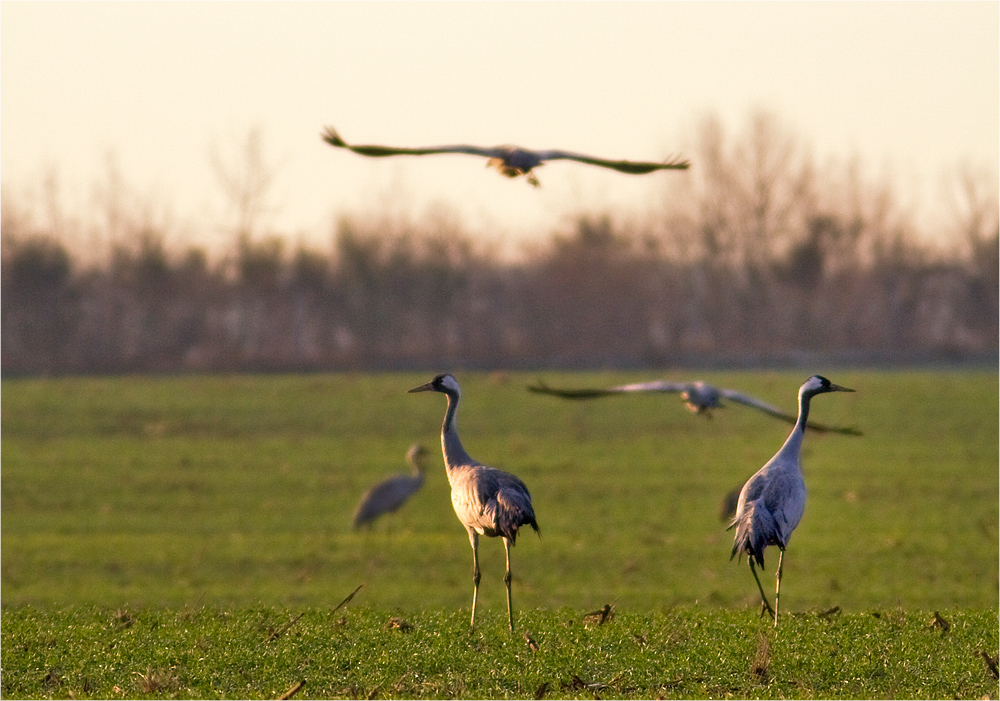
column 451, row 446
column 794, row 441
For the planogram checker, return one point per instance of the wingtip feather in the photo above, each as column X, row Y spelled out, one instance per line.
column 331, row 137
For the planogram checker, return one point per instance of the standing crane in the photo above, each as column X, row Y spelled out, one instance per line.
column 511, row 161
column 772, row 501
column 698, row 397
column 390, row 494
column 487, row 501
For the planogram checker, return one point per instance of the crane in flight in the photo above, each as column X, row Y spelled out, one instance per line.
column 699, row 398
column 772, row 502
column 511, row 161
column 487, row 501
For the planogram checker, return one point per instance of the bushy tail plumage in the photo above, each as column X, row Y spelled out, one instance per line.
column 752, row 528
column 513, row 511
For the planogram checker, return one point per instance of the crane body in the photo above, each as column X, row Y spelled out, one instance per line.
column 773, row 500
column 390, row 494
column 488, row 501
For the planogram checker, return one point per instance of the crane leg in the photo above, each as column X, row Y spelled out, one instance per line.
column 507, row 579
column 777, row 586
column 474, row 538
column 763, row 598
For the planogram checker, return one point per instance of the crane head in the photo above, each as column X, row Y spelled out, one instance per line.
column 817, row 384
column 442, row 383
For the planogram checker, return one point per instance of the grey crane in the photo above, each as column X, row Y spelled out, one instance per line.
column 772, row 501
column 391, row 493
column 487, row 501
column 698, row 397
column 511, row 161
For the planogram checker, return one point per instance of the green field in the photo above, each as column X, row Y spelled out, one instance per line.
column 683, row 652
column 235, row 493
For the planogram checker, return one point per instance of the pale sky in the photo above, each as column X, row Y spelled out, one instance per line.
column 912, row 89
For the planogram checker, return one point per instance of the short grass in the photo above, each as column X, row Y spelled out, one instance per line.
column 686, row 652
column 227, row 500
column 239, row 491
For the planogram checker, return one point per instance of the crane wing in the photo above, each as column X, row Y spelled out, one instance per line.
column 542, row 388
column 331, row 137
column 751, row 491
column 747, row 400
column 657, row 386
column 631, row 167
column 654, row 386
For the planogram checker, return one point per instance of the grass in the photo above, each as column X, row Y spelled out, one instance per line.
column 213, row 509
column 677, row 653
column 239, row 491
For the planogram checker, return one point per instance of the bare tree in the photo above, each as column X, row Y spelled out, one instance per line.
column 246, row 178
column 762, row 258
column 973, row 203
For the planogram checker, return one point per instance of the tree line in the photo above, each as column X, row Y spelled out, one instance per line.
column 758, row 257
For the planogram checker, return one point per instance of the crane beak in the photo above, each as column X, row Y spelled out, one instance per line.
column 838, row 388
column 429, row 387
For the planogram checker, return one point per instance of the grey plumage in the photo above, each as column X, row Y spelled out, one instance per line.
column 511, row 161
column 487, row 501
column 772, row 502
column 699, row 398
column 390, row 494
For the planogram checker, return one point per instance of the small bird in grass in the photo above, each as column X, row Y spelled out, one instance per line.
column 771, row 503
column 699, row 398
column 390, row 494
column 487, row 501
column 511, row 161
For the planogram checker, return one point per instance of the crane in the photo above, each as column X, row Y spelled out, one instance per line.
column 511, row 161
column 771, row 503
column 487, row 501
column 700, row 398
column 390, row 494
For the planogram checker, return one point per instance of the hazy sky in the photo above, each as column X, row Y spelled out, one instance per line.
column 909, row 87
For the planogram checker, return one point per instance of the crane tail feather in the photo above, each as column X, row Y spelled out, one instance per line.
column 750, row 537
column 511, row 511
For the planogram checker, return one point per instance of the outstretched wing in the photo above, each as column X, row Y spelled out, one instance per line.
column 746, row 400
column 631, row 167
column 331, row 137
column 656, row 386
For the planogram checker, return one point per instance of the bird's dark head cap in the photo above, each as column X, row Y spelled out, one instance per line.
column 441, row 383
column 817, row 384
